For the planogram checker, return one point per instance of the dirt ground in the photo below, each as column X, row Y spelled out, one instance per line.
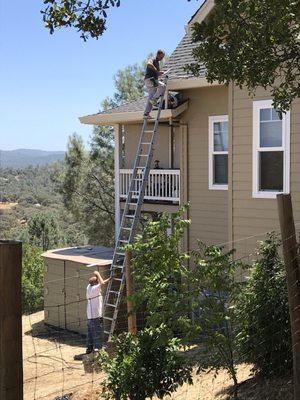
column 7, row 205
column 49, row 367
column 50, row 371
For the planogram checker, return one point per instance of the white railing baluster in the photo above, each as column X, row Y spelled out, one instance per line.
column 163, row 184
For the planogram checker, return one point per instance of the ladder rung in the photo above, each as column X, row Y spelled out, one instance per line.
column 110, row 319
column 113, row 291
column 111, row 305
column 123, row 241
column 106, row 332
column 126, row 229
column 146, row 142
column 118, row 279
column 143, row 155
column 117, row 266
column 148, row 131
column 130, row 216
column 120, row 254
column 138, row 179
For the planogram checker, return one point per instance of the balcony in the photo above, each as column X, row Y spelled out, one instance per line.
column 163, row 185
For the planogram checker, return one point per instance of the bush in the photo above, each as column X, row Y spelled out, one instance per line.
column 32, row 279
column 262, row 312
column 146, row 365
column 160, row 273
column 214, row 290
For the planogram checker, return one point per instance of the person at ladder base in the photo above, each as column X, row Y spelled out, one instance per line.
column 154, row 87
column 95, row 312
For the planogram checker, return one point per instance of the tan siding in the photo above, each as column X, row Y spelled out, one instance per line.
column 208, row 208
column 256, row 216
column 161, row 148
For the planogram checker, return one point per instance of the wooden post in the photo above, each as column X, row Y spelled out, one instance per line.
column 288, row 234
column 11, row 360
column 130, row 291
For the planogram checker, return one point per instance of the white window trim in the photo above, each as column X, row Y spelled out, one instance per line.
column 211, row 152
column 256, row 193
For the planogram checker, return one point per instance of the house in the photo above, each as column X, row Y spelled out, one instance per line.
column 224, row 152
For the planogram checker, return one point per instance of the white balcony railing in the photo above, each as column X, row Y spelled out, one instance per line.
column 163, row 184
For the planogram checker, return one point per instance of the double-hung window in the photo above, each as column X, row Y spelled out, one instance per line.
column 218, row 152
column 271, row 150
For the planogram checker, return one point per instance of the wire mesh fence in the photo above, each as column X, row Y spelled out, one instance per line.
column 51, row 372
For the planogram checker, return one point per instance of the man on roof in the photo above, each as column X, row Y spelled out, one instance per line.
column 153, row 85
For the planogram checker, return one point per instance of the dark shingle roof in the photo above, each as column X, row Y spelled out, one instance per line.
column 182, row 55
column 131, row 106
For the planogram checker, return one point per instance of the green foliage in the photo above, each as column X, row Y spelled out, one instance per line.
column 87, row 187
column 30, row 185
column 263, row 315
column 146, row 365
column 214, row 290
column 88, row 17
column 34, row 193
column 32, row 279
column 43, row 231
column 254, row 43
column 160, row 273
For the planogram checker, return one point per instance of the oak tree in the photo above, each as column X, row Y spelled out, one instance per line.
column 254, row 43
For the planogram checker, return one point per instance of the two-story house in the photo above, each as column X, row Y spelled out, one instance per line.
column 224, row 152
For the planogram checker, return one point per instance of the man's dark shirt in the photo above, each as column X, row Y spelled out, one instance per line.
column 150, row 73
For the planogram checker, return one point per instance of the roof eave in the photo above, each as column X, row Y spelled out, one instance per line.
column 130, row 117
column 202, row 14
column 190, row 83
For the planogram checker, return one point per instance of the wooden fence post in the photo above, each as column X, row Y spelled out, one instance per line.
column 290, row 254
column 130, row 291
column 11, row 360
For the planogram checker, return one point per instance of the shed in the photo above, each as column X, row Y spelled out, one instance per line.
column 65, row 282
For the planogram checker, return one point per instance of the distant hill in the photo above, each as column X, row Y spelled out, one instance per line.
column 22, row 158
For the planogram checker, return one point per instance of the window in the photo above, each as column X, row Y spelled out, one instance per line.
column 218, row 152
column 271, row 150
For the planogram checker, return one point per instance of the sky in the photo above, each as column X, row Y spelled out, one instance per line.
column 48, row 81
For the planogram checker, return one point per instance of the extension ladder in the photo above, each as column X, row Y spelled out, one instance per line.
column 130, row 218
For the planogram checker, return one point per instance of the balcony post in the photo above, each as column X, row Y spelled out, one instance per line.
column 184, row 189
column 171, row 144
column 118, row 164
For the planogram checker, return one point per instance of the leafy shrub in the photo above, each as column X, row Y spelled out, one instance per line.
column 160, row 273
column 214, row 290
column 146, row 365
column 32, row 279
column 262, row 313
